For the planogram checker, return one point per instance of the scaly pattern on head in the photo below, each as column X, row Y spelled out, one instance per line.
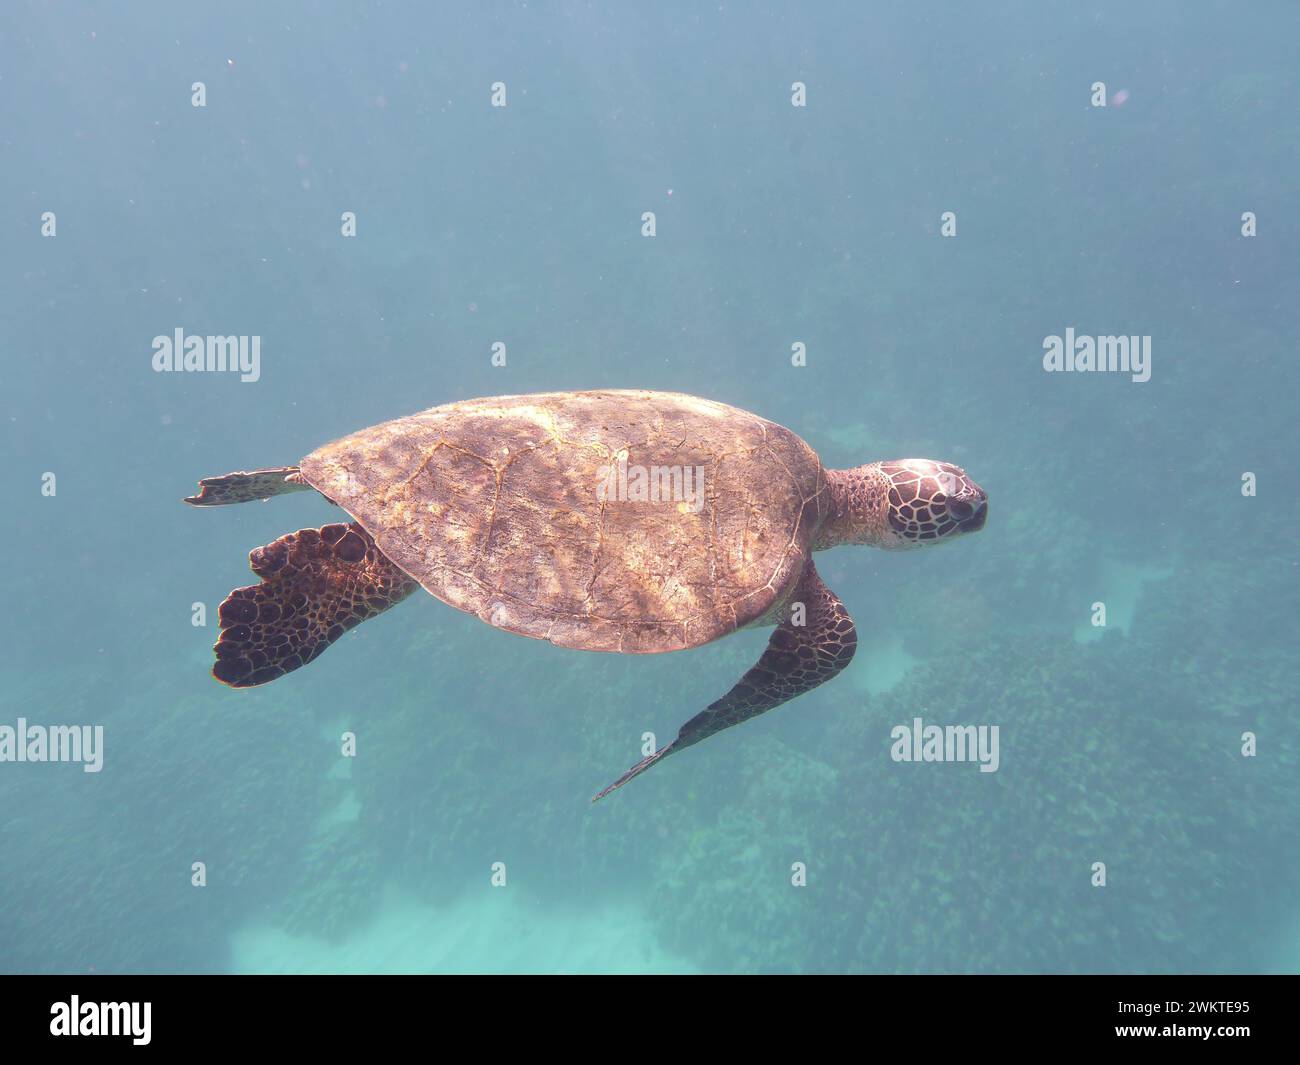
column 931, row 501
column 903, row 503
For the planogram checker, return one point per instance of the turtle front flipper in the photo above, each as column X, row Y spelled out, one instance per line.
column 316, row 585
column 244, row 486
column 797, row 659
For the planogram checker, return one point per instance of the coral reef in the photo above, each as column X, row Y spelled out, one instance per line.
column 1125, row 751
column 129, row 834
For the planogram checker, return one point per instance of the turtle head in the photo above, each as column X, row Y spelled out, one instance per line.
column 903, row 503
column 930, row 503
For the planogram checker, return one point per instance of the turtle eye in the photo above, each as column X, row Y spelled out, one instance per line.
column 976, row 522
column 960, row 509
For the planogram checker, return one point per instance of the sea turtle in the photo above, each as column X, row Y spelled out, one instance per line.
column 626, row 521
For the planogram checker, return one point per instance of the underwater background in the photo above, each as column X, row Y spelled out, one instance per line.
column 776, row 224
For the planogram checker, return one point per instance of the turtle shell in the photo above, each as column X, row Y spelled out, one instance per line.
column 612, row 521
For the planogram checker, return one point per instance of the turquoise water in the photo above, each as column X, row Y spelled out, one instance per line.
column 824, row 224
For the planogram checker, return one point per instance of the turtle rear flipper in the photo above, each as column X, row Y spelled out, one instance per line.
column 244, row 486
column 316, row 585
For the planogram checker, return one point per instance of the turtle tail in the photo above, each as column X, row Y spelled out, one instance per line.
column 316, row 585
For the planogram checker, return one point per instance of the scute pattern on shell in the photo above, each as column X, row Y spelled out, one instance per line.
column 493, row 506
